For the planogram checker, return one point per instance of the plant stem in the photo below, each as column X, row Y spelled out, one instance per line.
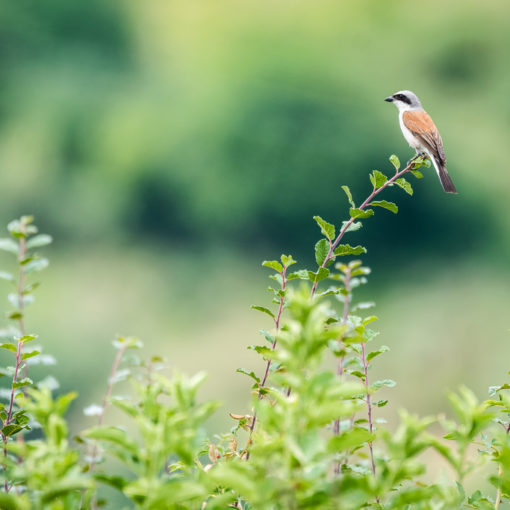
column 375, row 191
column 369, row 405
column 106, row 399
column 500, row 473
column 273, row 346
column 340, row 367
column 19, row 348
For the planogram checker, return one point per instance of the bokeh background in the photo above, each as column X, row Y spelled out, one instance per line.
column 171, row 146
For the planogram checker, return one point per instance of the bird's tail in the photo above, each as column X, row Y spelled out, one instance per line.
column 444, row 177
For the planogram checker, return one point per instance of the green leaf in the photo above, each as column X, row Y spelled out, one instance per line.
column 261, row 349
column 347, row 249
column 320, row 275
column 378, row 179
column 31, row 354
column 321, row 251
column 15, row 316
column 385, row 382
column 263, row 309
column 302, row 274
column 350, row 439
column 273, row 264
column 417, row 174
column 327, row 229
column 11, row 429
column 38, row 241
column 115, row 481
column 387, row 205
column 395, row 162
column 26, row 338
column 9, row 502
column 36, row 265
column 404, row 185
column 349, row 195
column 287, row 260
column 7, row 276
column 7, row 244
column 360, row 213
column 23, row 382
column 113, row 435
column 249, row 373
column 9, row 347
column 381, row 350
column 355, row 225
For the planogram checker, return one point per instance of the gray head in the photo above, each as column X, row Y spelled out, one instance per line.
column 405, row 100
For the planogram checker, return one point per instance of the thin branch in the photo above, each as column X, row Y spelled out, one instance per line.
column 106, row 399
column 369, row 405
column 340, row 367
column 273, row 346
column 500, row 473
column 375, row 191
column 19, row 348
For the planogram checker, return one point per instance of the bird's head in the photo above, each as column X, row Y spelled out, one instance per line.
column 405, row 100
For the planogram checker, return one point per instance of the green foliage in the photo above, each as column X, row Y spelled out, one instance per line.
column 312, row 440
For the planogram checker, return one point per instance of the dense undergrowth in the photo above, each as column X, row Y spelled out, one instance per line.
column 313, row 440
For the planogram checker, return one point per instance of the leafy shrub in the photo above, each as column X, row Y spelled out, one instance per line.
column 313, row 439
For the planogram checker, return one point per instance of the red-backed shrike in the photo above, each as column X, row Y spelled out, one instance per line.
column 421, row 133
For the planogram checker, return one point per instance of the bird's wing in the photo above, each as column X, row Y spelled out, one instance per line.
column 421, row 125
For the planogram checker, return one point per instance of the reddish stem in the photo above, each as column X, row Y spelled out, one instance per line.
column 375, row 191
column 19, row 348
column 106, row 399
column 340, row 368
column 273, row 346
column 369, row 405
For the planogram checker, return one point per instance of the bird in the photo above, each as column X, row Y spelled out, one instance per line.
column 421, row 133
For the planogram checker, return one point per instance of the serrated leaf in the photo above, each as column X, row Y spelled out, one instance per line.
column 395, row 162
column 349, row 195
column 26, row 338
column 287, row 260
column 302, row 274
column 379, row 351
column 273, row 264
column 361, row 213
column 417, row 174
column 347, row 249
column 355, row 225
column 38, row 241
column 377, row 179
column 321, row 251
column 318, row 276
column 327, row 229
column 263, row 309
column 386, row 205
column 36, row 265
column 11, row 429
column 23, row 382
column 260, row 349
column 249, row 373
column 404, row 185
column 384, row 382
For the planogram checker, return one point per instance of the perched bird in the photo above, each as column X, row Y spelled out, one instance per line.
column 421, row 133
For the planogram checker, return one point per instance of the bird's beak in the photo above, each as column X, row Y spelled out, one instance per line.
column 389, row 99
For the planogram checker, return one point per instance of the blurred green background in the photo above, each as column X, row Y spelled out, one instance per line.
column 171, row 146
